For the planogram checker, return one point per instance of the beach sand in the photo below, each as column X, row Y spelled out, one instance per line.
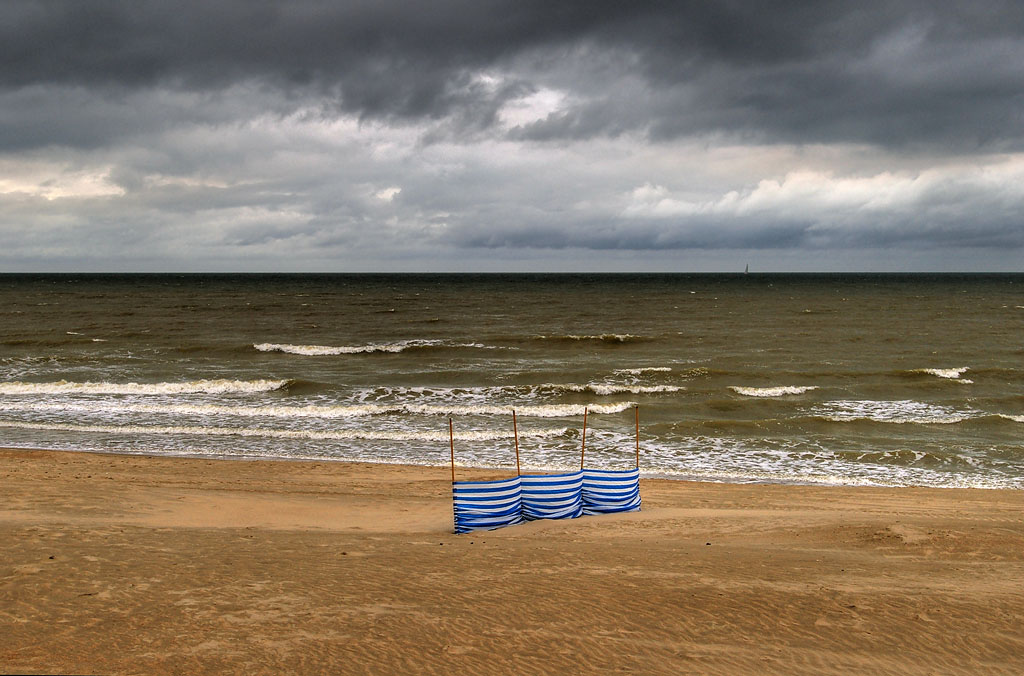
column 132, row 564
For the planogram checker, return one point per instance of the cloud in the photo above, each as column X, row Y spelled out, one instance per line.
column 885, row 72
column 323, row 135
column 932, row 208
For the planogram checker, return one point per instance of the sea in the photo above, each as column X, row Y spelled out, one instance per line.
column 848, row 379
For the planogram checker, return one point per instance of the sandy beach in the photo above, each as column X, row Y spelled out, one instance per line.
column 134, row 564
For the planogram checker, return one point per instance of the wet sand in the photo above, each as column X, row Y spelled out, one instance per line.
column 132, row 564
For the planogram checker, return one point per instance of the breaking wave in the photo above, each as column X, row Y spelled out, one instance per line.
column 366, row 435
column 320, row 412
column 191, row 387
column 603, row 337
column 531, row 392
column 606, row 389
column 951, row 374
column 898, row 412
column 641, row 371
column 771, row 391
column 330, row 350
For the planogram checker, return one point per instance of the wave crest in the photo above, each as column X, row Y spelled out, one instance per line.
column 369, row 435
column 780, row 391
column 602, row 337
column 897, row 412
column 607, row 389
column 641, row 371
column 324, row 412
column 221, row 386
column 951, row 374
column 333, row 350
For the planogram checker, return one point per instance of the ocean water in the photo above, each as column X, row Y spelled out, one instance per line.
column 904, row 380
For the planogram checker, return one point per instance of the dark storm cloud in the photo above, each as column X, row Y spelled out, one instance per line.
column 880, row 72
column 380, row 58
column 377, row 134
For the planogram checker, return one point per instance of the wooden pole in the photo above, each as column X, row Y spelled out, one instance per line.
column 451, row 442
column 515, row 430
column 637, row 409
column 583, row 450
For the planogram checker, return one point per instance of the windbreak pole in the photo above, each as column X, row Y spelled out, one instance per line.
column 451, row 443
column 583, row 449
column 637, row 409
column 515, row 431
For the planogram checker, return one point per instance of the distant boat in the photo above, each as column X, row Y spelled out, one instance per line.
column 746, row 270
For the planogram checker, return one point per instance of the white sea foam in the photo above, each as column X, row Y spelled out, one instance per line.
column 890, row 477
column 331, row 350
column 951, row 374
column 604, row 337
column 793, row 461
column 646, row 369
column 898, row 412
column 387, row 393
column 780, row 391
column 551, row 410
column 316, row 412
column 190, row 387
column 520, row 392
column 340, row 435
column 607, row 389
column 1015, row 418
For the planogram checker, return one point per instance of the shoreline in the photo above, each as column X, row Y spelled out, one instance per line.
column 123, row 563
column 654, row 475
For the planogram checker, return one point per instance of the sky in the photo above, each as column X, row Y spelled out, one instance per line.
column 494, row 136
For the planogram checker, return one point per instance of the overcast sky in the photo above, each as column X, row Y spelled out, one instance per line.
column 241, row 135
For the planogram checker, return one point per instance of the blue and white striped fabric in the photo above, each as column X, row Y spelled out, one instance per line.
column 608, row 491
column 486, row 505
column 552, row 496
